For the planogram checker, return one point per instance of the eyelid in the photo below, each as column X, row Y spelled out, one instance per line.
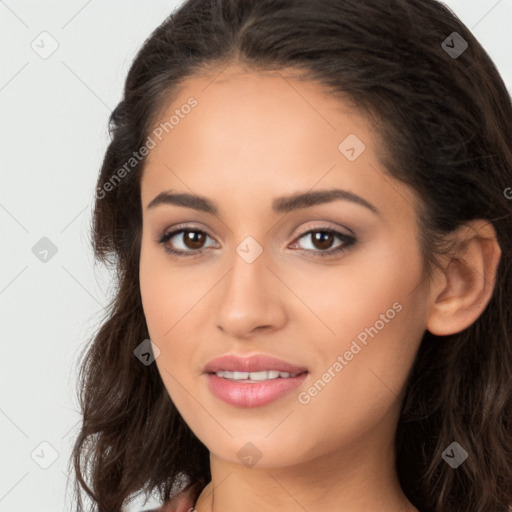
column 185, row 227
column 180, row 228
column 322, row 226
column 302, row 232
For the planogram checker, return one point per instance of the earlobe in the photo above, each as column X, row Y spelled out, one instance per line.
column 469, row 278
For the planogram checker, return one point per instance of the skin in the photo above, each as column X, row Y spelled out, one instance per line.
column 251, row 138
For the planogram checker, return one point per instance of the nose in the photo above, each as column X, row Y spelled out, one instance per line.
column 251, row 299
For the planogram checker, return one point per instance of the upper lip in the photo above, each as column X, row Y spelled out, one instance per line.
column 253, row 363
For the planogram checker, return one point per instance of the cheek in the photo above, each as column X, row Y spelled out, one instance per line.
column 171, row 301
column 377, row 312
column 370, row 283
column 162, row 305
column 164, row 296
column 163, row 308
column 156, row 299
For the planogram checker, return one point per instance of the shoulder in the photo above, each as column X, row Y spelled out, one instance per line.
column 184, row 501
column 179, row 503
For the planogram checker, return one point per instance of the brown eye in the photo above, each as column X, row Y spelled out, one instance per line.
column 184, row 242
column 193, row 239
column 322, row 239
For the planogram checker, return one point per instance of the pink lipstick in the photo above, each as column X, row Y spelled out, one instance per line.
column 252, row 381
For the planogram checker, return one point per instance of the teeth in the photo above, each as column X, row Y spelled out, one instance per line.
column 254, row 376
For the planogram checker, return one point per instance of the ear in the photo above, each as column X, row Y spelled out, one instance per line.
column 467, row 280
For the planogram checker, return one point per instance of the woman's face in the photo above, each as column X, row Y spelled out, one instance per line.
column 349, row 308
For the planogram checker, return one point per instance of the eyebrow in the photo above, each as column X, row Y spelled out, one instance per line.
column 283, row 204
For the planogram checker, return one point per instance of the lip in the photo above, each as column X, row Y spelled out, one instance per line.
column 253, row 363
column 257, row 394
column 252, row 394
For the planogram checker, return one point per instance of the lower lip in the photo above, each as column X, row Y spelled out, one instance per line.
column 247, row 394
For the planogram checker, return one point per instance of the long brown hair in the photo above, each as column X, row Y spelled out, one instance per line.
column 446, row 123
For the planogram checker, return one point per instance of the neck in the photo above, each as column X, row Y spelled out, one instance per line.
column 357, row 477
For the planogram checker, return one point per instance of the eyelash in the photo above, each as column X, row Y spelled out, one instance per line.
column 347, row 239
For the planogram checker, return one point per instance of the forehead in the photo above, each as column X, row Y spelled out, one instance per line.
column 253, row 132
column 254, row 115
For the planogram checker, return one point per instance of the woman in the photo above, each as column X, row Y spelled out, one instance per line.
column 306, row 205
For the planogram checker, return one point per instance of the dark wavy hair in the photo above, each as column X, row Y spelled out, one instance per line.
column 446, row 125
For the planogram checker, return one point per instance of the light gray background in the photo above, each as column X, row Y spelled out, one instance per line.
column 53, row 134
